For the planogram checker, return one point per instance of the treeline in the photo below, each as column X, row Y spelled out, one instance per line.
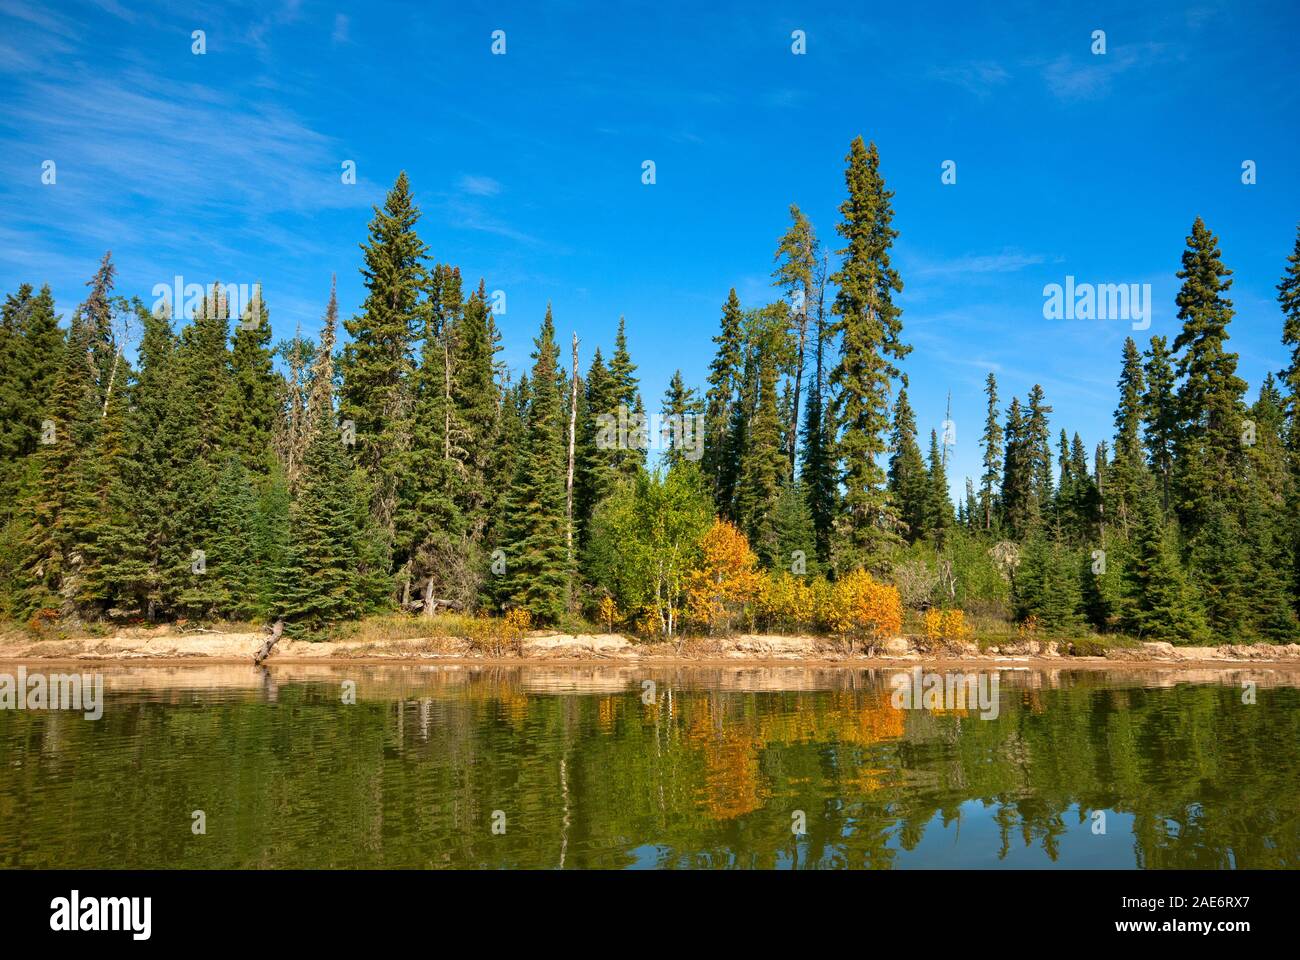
column 219, row 475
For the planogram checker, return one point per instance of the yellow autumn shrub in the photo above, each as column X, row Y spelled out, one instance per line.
column 860, row 607
column 607, row 611
column 945, row 626
column 785, row 601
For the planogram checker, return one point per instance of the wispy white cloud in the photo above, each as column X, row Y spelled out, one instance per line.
column 1008, row 261
column 479, row 186
column 1091, row 76
column 980, row 77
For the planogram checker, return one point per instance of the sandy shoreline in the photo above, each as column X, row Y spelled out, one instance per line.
column 557, row 650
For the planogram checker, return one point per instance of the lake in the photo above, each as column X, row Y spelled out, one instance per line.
column 748, row 766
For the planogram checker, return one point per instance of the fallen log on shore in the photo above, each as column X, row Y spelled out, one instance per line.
column 264, row 650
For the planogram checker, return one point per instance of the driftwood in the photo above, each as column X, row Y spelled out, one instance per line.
column 264, row 650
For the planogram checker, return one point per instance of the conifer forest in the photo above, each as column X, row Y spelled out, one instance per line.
column 172, row 463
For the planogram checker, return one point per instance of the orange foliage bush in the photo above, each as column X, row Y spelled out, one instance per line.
column 726, row 580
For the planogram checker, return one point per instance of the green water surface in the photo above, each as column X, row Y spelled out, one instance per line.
column 574, row 769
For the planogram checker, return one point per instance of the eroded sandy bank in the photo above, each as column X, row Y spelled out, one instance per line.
column 169, row 647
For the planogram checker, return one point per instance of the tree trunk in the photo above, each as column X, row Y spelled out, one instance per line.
column 264, row 650
column 798, row 378
column 573, row 429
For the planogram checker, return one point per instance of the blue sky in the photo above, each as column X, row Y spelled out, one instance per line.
column 528, row 166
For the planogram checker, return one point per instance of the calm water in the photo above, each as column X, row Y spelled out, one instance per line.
column 709, row 775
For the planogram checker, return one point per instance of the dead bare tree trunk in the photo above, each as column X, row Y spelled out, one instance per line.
column 793, row 441
column 264, row 650
column 573, row 431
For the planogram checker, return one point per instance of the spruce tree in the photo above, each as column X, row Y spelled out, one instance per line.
column 476, row 399
column 763, row 464
column 818, row 468
column 794, row 533
column 1046, row 587
column 870, row 329
column 596, row 473
column 253, row 400
column 1156, row 601
column 1037, row 449
column 320, row 581
column 158, row 423
column 991, row 440
column 907, row 481
column 1288, row 297
column 1017, row 475
column 681, row 411
column 536, row 556
column 1207, row 446
column 938, row 501
column 796, row 257
column 719, row 398
column 378, row 363
column 1128, row 471
column 629, row 458
column 1160, row 416
column 31, row 357
column 113, row 568
column 50, row 558
column 198, row 404
column 428, row 521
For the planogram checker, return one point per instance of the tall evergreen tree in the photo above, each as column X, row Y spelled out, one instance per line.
column 1288, row 297
column 536, row 555
column 763, row 465
column 597, row 473
column 31, row 357
column 796, row 257
column 870, row 328
column 320, row 582
column 1160, row 416
column 938, row 506
column 991, row 440
column 1039, row 453
column 379, row 361
column 1207, row 447
column 1128, row 471
column 719, row 401
column 818, row 469
column 1017, row 475
column 476, row 399
column 907, row 481
column 630, row 458
column 253, row 401
column 50, row 558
